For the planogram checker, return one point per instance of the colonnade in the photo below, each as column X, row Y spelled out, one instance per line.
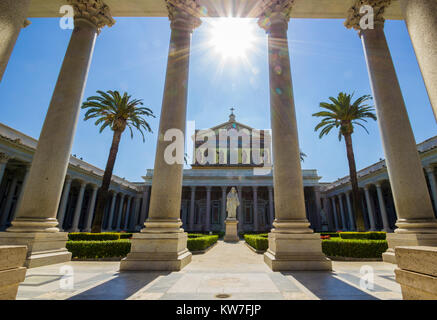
column 162, row 243
column 224, row 192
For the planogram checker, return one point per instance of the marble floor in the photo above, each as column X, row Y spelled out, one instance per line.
column 226, row 272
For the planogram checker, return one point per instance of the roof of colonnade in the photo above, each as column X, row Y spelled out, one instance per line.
column 317, row 9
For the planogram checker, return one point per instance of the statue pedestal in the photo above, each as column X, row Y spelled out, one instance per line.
column 231, row 234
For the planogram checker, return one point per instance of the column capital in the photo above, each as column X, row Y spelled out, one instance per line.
column 94, row 11
column 208, row 188
column 429, row 168
column 184, row 14
column 273, row 12
column 357, row 12
column 255, row 188
column 193, row 188
column 4, row 157
column 224, row 188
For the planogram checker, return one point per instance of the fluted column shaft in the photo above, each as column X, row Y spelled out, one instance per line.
column 271, row 211
column 370, row 208
column 91, row 206
column 410, row 192
column 112, row 211
column 134, row 220
column 255, row 208
column 240, row 213
column 342, row 214
column 208, row 209
column 350, row 211
column 224, row 199
column 288, row 181
column 120, row 212
column 4, row 158
column 334, row 213
column 382, row 208
column 9, row 199
column 13, row 14
column 41, row 195
column 20, row 196
column 166, row 194
column 128, row 212
column 421, row 20
column 78, row 209
column 318, row 201
column 64, row 201
column 145, row 205
column 432, row 183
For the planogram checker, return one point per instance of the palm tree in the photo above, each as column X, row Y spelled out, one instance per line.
column 344, row 114
column 116, row 112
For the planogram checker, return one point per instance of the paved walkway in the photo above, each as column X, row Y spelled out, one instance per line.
column 232, row 270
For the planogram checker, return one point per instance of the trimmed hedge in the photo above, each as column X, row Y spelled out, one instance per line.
column 87, row 236
column 372, row 235
column 331, row 234
column 125, row 235
column 257, row 241
column 99, row 249
column 198, row 242
column 354, row 248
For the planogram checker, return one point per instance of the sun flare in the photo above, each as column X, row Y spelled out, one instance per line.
column 232, row 37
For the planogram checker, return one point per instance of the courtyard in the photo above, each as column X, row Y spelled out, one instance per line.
column 228, row 269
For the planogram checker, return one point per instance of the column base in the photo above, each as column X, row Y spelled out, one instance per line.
column 152, row 251
column 43, row 248
column 296, row 252
column 407, row 239
column 231, row 233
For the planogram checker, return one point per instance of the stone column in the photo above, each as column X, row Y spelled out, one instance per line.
column 35, row 221
column 421, row 20
column 416, row 223
column 334, row 213
column 162, row 244
column 208, row 210
column 145, row 205
column 292, row 244
column 224, row 200
column 318, row 200
column 13, row 14
column 342, row 214
column 9, row 200
column 350, row 211
column 255, row 209
column 192, row 207
column 64, row 201
column 271, row 211
column 240, row 217
column 91, row 206
column 120, row 212
column 382, row 208
column 134, row 219
column 370, row 208
column 432, row 184
column 23, row 183
column 4, row 158
column 78, row 208
column 128, row 212
column 111, row 211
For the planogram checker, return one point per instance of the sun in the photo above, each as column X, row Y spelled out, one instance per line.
column 232, row 37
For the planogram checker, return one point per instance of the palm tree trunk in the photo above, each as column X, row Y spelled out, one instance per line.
column 356, row 197
column 103, row 194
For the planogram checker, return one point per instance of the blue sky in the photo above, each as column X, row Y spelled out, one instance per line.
column 326, row 58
